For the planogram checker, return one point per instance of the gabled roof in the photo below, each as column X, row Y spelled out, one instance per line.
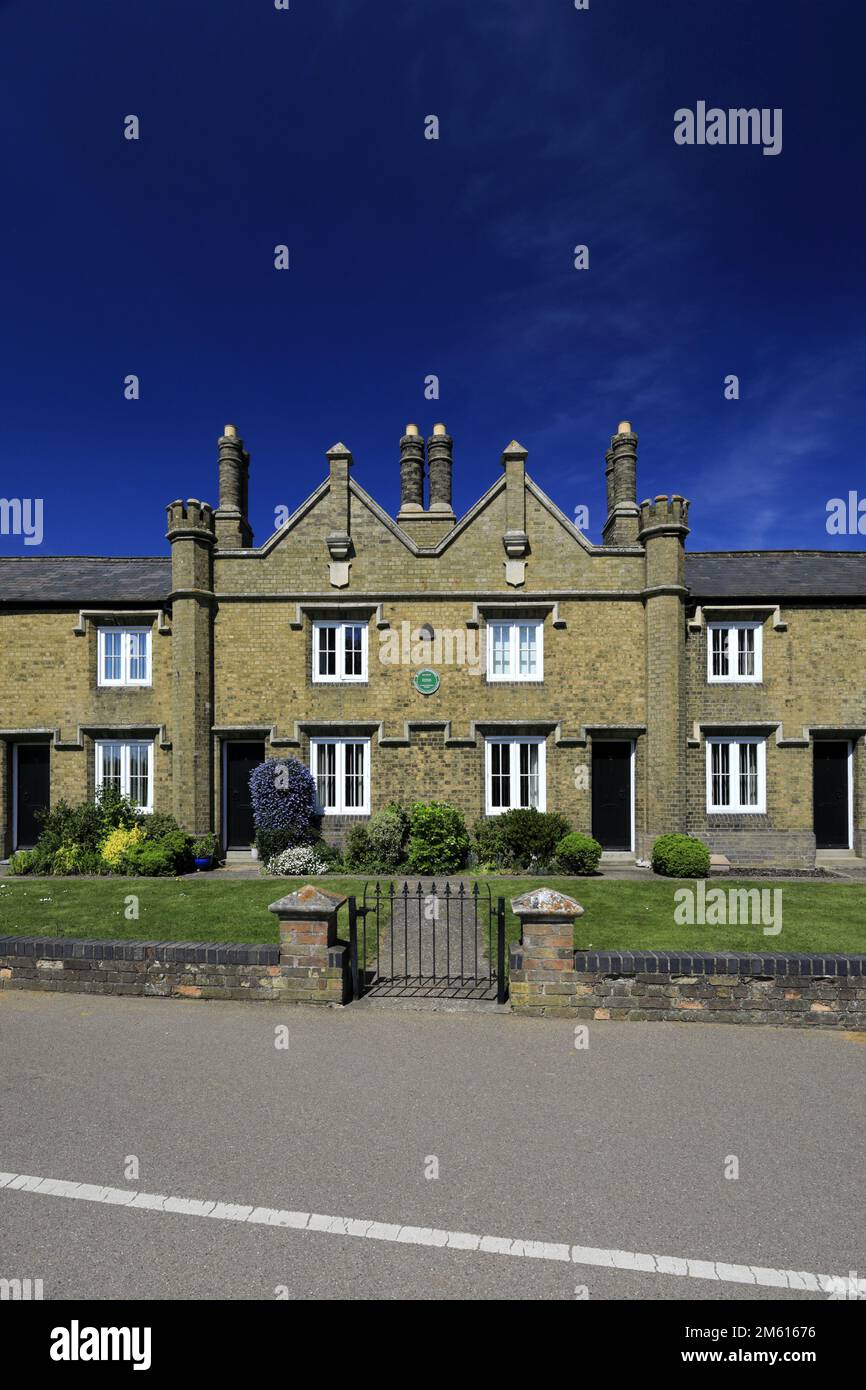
column 84, row 579
column 776, row 574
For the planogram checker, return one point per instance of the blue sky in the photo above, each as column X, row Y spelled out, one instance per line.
column 411, row 257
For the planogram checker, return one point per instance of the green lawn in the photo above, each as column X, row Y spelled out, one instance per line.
column 620, row 914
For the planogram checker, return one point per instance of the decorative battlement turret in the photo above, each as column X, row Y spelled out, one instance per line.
column 192, row 534
column 190, row 518
column 665, row 514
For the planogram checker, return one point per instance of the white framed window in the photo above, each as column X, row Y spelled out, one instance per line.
column 515, row 774
column 127, row 766
column 515, row 650
column 341, row 767
column 124, row 655
column 734, row 651
column 736, row 775
column 339, row 651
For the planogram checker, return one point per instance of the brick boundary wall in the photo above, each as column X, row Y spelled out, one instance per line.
column 799, row 990
column 310, row 965
column 550, row 979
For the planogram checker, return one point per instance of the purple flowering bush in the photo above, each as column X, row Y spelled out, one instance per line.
column 284, row 798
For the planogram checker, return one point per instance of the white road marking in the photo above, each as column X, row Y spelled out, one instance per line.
column 842, row 1285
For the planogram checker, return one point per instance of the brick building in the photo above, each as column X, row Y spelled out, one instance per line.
column 497, row 660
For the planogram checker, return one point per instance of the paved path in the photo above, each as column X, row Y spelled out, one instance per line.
column 619, row 1148
column 433, row 946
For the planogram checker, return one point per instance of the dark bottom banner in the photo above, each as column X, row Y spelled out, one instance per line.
column 82, row 1339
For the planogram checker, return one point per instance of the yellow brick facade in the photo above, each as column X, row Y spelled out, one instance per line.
column 624, row 658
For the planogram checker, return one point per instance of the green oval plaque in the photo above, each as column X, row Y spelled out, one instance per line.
column 426, row 682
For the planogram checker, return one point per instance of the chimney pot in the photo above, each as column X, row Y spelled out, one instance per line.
column 624, row 427
column 412, row 430
column 439, row 429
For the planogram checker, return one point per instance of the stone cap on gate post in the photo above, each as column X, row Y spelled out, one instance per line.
column 546, row 920
column 308, row 919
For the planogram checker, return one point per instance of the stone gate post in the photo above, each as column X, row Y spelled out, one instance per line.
column 313, row 961
column 543, row 978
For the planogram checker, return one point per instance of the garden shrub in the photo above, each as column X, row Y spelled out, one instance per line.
column 680, row 856
column 387, row 833
column 531, row 836
column 67, row 859
column 269, row 843
column 108, row 835
column 491, row 850
column 22, row 862
column 85, row 826
column 356, row 855
column 152, row 858
column 578, row 854
column 158, row 824
column 299, row 859
column 115, row 845
column 284, row 797
column 438, row 840
column 329, row 854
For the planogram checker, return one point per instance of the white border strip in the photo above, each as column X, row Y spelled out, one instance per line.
column 849, row 1286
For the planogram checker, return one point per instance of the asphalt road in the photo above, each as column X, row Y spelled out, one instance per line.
column 621, row 1146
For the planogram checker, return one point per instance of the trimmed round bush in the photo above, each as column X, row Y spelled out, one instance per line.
column 284, row 796
column 438, row 839
column 578, row 854
column 680, row 856
column 300, row 859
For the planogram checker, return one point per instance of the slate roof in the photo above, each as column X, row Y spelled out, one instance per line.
column 84, row 579
column 776, row 574
column 722, row 574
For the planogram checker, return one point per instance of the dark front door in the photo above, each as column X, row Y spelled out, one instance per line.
column 830, row 794
column 241, row 758
column 32, row 781
column 611, row 794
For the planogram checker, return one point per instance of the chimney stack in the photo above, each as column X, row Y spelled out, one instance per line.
column 233, row 531
column 623, row 518
column 439, row 463
column 411, row 471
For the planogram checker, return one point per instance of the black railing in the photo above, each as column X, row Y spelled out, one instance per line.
column 426, row 942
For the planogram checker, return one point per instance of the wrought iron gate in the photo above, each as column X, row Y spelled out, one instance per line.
column 424, row 942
